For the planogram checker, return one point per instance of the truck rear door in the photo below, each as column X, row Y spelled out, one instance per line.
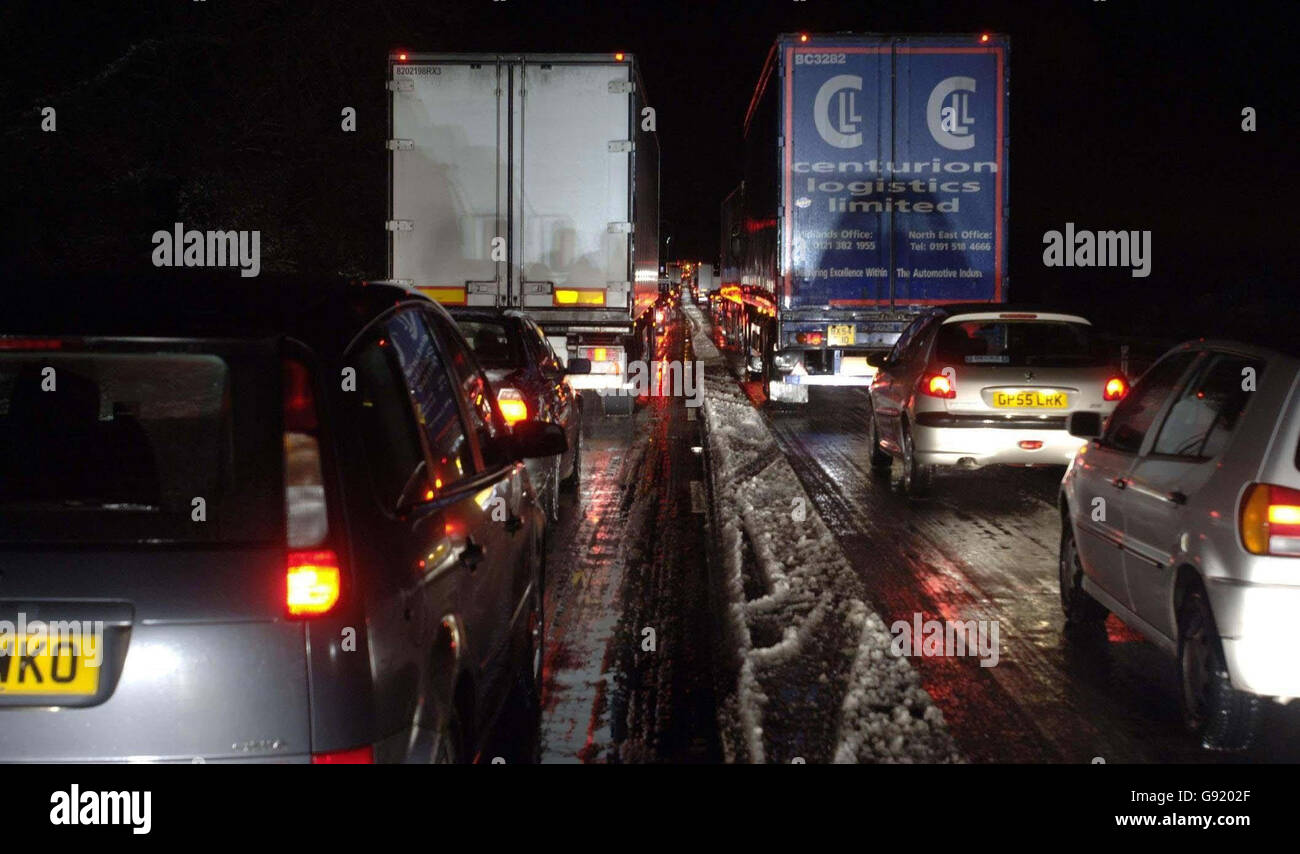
column 949, row 147
column 449, row 179
column 574, row 201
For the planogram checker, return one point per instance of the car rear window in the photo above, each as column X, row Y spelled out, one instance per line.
column 1017, row 343
column 493, row 344
column 110, row 442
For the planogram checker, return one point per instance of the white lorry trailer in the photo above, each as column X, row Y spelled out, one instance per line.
column 530, row 181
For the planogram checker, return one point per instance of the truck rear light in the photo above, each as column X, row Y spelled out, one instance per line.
column 938, row 385
column 306, row 519
column 355, row 756
column 604, row 360
column 312, row 582
column 513, row 406
column 569, row 296
column 1269, row 520
column 811, row 338
column 1116, row 388
column 1030, row 444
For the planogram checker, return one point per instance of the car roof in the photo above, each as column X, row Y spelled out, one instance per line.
column 324, row 312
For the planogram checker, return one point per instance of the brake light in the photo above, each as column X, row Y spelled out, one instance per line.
column 812, row 338
column 306, row 520
column 938, row 385
column 513, row 406
column 355, row 756
column 1269, row 520
column 1116, row 388
column 313, row 577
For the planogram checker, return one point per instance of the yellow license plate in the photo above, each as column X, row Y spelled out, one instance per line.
column 840, row 335
column 42, row 666
column 1031, row 399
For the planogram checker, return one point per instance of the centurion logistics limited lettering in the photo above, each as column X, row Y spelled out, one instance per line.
column 922, row 194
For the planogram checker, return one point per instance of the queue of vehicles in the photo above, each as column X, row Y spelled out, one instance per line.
column 400, row 475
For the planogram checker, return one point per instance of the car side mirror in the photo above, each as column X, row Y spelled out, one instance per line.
column 1084, row 425
column 533, row 439
column 578, row 366
column 878, row 359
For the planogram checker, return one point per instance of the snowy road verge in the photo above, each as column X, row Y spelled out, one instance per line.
column 815, row 678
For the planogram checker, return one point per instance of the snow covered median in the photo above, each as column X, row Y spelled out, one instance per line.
column 815, row 678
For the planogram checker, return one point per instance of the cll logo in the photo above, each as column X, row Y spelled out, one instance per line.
column 835, row 111
column 948, row 113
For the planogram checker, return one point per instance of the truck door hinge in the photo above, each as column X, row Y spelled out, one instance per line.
column 400, row 144
column 618, row 287
column 621, row 146
column 620, row 228
column 400, row 225
column 401, row 85
column 621, row 87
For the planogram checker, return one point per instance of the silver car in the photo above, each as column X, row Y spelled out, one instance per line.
column 972, row 386
column 1181, row 516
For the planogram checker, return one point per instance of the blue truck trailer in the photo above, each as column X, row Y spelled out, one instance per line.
column 875, row 185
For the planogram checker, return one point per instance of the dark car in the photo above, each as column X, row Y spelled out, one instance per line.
column 272, row 520
column 529, row 380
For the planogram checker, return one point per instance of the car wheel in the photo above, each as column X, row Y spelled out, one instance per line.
column 574, row 480
column 881, row 460
column 916, row 477
column 1079, row 607
column 1222, row 717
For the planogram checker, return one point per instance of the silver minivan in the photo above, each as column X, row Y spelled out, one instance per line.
column 276, row 522
column 1181, row 516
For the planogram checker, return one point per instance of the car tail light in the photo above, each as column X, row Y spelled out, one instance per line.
column 938, row 385
column 513, row 406
column 355, row 756
column 812, row 338
column 313, row 577
column 1269, row 520
column 1116, row 388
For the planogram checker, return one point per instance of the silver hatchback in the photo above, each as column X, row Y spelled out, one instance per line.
column 1182, row 517
column 975, row 386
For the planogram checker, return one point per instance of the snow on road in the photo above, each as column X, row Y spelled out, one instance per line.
column 815, row 678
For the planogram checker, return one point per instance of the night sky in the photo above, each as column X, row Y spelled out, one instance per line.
column 1124, row 115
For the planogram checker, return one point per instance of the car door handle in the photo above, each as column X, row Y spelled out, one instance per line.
column 471, row 555
column 513, row 524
